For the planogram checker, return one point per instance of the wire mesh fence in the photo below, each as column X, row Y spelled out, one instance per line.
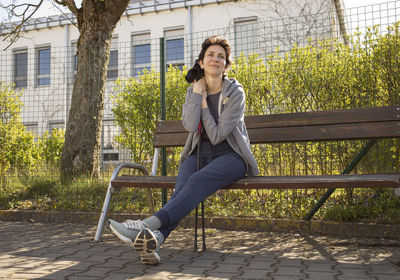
column 287, row 65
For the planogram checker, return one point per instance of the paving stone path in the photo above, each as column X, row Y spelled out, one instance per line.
column 65, row 251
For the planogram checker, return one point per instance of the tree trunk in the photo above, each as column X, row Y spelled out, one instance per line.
column 342, row 21
column 96, row 23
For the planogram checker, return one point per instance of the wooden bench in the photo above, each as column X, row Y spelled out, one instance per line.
column 365, row 123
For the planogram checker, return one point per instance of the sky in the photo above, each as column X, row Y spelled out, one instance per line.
column 359, row 3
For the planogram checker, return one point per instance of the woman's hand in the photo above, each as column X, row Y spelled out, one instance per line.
column 200, row 87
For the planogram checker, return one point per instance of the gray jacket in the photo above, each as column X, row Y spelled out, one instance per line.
column 230, row 125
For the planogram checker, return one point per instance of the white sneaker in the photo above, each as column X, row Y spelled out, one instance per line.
column 147, row 244
column 128, row 230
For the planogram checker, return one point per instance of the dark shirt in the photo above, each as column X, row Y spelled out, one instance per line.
column 212, row 102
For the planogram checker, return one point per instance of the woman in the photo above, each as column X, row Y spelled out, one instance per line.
column 216, row 104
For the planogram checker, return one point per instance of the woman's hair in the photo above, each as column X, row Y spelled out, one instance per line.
column 216, row 40
column 196, row 73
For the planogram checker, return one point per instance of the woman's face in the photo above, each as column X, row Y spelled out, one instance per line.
column 214, row 62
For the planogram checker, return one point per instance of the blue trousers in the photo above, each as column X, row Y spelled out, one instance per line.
column 220, row 166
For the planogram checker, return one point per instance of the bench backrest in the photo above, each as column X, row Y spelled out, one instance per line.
column 360, row 123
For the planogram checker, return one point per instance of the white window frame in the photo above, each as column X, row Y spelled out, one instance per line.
column 113, row 68
column 241, row 35
column 174, row 33
column 20, row 78
column 140, row 39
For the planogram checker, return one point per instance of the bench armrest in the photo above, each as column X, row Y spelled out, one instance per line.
column 133, row 166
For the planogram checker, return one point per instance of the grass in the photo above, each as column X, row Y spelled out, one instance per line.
column 87, row 194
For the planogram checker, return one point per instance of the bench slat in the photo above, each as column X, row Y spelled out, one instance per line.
column 357, row 115
column 275, row 182
column 347, row 116
column 325, row 132
column 301, row 133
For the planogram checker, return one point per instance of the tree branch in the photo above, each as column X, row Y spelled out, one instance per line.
column 70, row 4
column 342, row 23
column 12, row 10
column 115, row 8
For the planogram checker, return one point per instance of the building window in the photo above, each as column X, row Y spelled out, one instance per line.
column 21, row 69
column 43, row 67
column 141, row 53
column 246, row 36
column 110, row 157
column 110, row 152
column 56, row 125
column 33, row 128
column 174, row 47
column 112, row 70
column 109, row 133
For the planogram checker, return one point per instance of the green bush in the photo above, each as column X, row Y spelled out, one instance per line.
column 386, row 59
column 51, row 145
column 18, row 150
column 319, row 76
column 137, row 108
column 20, row 153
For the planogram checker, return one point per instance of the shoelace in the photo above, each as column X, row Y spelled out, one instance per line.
column 134, row 225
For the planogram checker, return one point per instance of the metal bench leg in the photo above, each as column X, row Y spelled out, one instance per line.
column 202, row 227
column 110, row 190
column 103, row 214
column 107, row 200
column 195, row 248
column 196, row 222
column 347, row 170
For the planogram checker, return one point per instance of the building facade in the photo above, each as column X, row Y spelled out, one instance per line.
column 43, row 62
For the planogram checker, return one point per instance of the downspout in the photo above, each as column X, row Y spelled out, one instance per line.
column 341, row 18
column 190, row 35
column 66, row 74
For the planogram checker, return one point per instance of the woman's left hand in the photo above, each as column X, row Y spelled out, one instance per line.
column 200, row 87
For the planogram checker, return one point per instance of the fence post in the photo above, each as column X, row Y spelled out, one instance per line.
column 163, row 115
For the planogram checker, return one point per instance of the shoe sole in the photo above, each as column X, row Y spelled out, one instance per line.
column 122, row 237
column 145, row 244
